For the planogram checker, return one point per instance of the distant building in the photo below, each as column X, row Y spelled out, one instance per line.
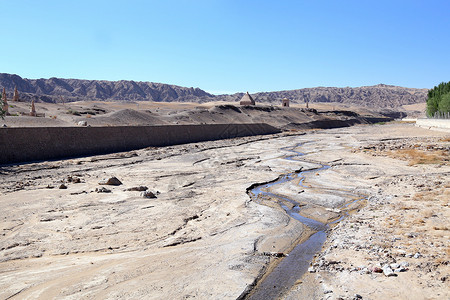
column 285, row 102
column 247, row 100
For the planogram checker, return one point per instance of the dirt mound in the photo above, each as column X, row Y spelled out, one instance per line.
column 128, row 117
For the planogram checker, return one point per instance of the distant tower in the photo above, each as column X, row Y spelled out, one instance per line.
column 4, row 95
column 5, row 101
column 285, row 102
column 247, row 100
column 33, row 109
column 16, row 94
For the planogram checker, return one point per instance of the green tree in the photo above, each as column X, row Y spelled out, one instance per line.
column 432, row 106
column 439, row 99
column 444, row 104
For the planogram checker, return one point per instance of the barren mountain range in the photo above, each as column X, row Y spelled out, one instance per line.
column 69, row 90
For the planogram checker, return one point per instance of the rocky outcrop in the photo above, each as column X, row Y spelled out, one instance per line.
column 51, row 90
column 377, row 96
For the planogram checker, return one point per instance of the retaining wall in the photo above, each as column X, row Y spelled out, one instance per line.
column 18, row 145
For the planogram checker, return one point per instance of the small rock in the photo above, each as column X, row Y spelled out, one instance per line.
column 4, row 125
column 327, row 291
column 49, row 186
column 110, row 181
column 394, row 266
column 387, row 271
column 358, row 296
column 400, row 269
column 73, row 179
column 102, row 190
column 82, row 123
column 148, row 194
column 275, row 254
column 412, row 235
column 311, row 270
column 138, row 188
column 377, row 270
column 417, row 255
column 62, row 186
column 404, row 264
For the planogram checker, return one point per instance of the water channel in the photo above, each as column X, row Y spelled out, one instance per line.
column 283, row 277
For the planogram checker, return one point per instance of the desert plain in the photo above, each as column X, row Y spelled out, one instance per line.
column 199, row 233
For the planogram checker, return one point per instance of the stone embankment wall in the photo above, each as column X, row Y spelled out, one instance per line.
column 434, row 123
column 18, row 145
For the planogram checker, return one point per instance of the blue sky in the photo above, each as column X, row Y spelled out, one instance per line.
column 226, row 46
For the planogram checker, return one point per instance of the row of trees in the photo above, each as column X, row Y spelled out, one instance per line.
column 439, row 99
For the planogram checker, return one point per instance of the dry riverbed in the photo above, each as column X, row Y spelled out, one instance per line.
column 202, row 237
column 397, row 246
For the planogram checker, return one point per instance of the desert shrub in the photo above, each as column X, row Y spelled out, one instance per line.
column 415, row 156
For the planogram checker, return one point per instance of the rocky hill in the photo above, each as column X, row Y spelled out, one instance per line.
column 57, row 90
column 378, row 96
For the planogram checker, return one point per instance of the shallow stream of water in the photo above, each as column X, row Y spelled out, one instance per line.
column 283, row 277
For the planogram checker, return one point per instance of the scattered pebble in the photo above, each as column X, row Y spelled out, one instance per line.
column 73, row 179
column 102, row 190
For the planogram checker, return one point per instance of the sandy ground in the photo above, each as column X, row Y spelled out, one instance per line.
column 203, row 237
